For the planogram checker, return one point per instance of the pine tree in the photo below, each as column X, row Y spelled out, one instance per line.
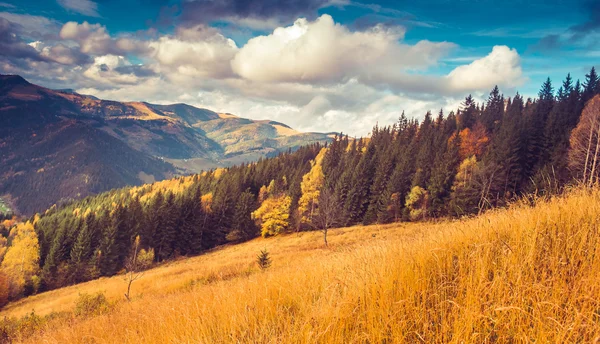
column 359, row 193
column 242, row 217
column 166, row 232
column 591, row 86
column 494, row 111
column 109, row 251
column 442, row 175
column 154, row 220
column 186, row 222
column 425, row 154
column 80, row 254
column 263, row 260
column 537, row 148
column 506, row 152
column 468, row 113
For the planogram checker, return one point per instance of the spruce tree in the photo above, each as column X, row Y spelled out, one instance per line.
column 80, row 254
column 494, row 111
column 166, row 232
column 468, row 113
column 591, row 86
column 242, row 220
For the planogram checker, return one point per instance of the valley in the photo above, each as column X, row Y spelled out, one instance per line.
column 66, row 144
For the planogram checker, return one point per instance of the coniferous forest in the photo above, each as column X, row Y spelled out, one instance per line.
column 481, row 156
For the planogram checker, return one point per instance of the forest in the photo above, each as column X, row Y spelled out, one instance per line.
column 481, row 156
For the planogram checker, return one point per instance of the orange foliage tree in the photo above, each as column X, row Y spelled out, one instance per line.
column 473, row 142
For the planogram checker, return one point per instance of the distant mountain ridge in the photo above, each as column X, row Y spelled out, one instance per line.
column 57, row 145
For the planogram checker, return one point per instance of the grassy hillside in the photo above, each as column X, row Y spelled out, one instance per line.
column 526, row 274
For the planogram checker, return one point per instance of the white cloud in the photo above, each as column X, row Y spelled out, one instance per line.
column 85, row 7
column 94, row 39
column 61, row 53
column 323, row 51
column 196, row 52
column 103, row 71
column 501, row 67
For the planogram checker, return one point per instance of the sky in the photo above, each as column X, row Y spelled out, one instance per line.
column 316, row 65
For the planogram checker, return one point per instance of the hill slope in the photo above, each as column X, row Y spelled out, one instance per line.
column 523, row 274
column 63, row 145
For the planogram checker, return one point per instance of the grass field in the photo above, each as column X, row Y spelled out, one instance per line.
column 527, row 274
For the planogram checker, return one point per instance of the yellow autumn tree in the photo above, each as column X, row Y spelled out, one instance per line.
column 273, row 215
column 312, row 182
column 21, row 261
column 206, row 201
column 417, row 201
column 2, row 247
column 4, row 289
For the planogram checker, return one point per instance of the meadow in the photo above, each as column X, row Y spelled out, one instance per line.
column 523, row 274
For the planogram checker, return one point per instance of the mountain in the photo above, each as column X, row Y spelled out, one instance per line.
column 58, row 145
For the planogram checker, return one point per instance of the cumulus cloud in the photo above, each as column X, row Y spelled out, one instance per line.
column 61, row 53
column 323, row 51
column 94, row 39
column 13, row 46
column 107, row 70
column 85, row 7
column 501, row 67
column 194, row 52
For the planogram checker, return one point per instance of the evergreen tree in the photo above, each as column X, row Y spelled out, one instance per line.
column 359, row 193
column 468, row 114
column 591, row 86
column 80, row 254
column 242, row 217
column 494, row 111
column 109, row 250
column 166, row 233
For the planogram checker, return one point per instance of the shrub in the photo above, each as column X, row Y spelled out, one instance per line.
column 14, row 329
column 90, row 305
column 263, row 260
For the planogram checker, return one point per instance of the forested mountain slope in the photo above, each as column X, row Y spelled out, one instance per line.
column 59, row 145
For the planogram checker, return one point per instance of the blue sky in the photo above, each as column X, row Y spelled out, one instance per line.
column 315, row 64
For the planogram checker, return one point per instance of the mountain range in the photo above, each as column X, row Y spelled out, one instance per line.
column 63, row 145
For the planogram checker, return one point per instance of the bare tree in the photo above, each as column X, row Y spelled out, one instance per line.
column 585, row 144
column 328, row 213
column 135, row 265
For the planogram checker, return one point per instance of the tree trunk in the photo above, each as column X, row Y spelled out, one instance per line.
column 128, row 289
column 588, row 150
column 325, row 236
column 592, row 174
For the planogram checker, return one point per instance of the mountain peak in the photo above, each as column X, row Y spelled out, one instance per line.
column 12, row 80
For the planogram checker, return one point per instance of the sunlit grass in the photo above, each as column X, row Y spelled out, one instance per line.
column 518, row 275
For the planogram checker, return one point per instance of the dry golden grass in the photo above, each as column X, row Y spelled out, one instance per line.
column 510, row 276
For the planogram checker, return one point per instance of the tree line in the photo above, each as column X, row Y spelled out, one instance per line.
column 481, row 156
